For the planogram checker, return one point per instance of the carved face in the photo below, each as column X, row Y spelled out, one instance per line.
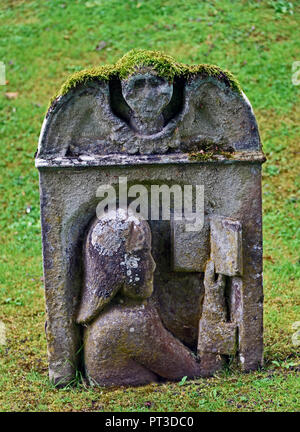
column 147, row 94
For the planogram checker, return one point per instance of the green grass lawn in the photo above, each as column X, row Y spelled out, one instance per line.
column 41, row 42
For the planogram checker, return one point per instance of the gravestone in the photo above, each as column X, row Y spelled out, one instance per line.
column 137, row 288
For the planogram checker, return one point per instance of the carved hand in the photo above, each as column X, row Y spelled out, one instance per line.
column 214, row 307
column 209, row 278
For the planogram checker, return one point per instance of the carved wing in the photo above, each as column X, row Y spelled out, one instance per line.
column 214, row 114
column 82, row 122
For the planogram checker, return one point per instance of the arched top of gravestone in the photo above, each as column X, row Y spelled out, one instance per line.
column 149, row 104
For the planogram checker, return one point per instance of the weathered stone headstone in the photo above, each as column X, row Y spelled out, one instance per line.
column 140, row 288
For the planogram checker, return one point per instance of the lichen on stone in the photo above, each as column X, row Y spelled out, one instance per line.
column 209, row 151
column 164, row 65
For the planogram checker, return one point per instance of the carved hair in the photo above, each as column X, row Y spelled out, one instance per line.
column 113, row 257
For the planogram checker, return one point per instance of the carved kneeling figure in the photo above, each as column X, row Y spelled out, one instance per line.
column 125, row 342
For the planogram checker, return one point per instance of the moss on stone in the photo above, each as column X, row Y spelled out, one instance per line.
column 102, row 73
column 209, row 152
column 81, row 77
column 206, row 70
column 226, row 154
column 201, row 156
column 164, row 65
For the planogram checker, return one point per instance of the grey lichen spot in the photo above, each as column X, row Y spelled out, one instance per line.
column 105, row 236
column 131, row 261
column 106, row 239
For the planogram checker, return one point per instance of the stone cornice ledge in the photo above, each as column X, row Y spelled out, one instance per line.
column 86, row 161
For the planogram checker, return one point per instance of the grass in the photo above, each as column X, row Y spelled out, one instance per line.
column 41, row 43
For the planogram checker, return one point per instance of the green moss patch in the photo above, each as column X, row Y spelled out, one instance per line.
column 204, row 156
column 208, row 150
column 164, row 65
column 201, row 156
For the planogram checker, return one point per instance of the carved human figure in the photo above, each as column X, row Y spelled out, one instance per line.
column 125, row 342
column 147, row 95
